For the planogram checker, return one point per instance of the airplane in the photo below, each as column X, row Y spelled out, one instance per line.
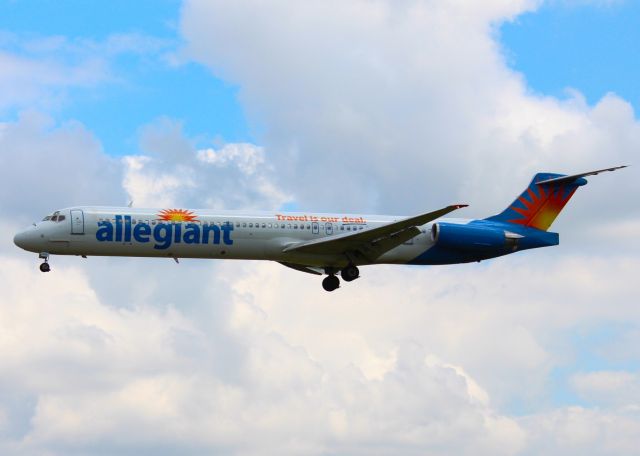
column 315, row 243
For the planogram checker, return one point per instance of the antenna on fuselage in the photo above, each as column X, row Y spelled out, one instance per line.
column 130, row 204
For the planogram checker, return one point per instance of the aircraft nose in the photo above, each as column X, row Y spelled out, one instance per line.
column 26, row 239
column 19, row 239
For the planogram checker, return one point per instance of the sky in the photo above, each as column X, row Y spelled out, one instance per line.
column 394, row 107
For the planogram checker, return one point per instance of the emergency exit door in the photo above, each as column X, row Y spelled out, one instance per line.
column 328, row 228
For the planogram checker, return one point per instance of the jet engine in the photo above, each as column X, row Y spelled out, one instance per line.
column 469, row 237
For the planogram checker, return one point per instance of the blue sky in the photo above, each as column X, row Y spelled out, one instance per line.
column 591, row 48
column 145, row 86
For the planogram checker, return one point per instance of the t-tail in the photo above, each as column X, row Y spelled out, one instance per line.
column 544, row 198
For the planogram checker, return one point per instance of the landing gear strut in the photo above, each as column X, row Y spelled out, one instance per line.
column 331, row 282
column 44, row 267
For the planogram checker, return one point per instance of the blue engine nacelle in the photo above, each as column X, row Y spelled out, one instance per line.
column 472, row 238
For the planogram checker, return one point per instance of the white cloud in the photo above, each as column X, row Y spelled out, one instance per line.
column 247, row 156
column 400, row 107
column 618, row 388
column 44, row 166
column 578, row 431
column 175, row 173
column 259, row 349
column 99, row 371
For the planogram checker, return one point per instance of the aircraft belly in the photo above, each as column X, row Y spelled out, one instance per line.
column 87, row 245
column 318, row 260
column 405, row 252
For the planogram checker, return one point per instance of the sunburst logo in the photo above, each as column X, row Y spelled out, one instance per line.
column 540, row 210
column 177, row 215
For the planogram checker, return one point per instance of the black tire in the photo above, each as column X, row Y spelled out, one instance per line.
column 330, row 283
column 44, row 267
column 350, row 273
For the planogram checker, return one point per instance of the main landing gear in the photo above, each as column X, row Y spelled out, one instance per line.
column 350, row 273
column 44, row 267
column 331, row 282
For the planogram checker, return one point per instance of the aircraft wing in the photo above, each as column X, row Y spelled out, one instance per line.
column 373, row 242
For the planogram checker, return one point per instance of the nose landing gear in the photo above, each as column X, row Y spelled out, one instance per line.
column 44, row 267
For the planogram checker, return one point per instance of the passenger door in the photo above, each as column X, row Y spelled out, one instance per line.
column 77, row 221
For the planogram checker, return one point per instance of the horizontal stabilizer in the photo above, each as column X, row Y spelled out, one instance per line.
column 573, row 178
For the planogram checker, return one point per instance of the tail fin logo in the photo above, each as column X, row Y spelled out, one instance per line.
column 539, row 210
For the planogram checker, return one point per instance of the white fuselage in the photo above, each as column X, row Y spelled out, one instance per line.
column 125, row 231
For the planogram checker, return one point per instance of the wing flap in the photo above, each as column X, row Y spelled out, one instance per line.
column 300, row 267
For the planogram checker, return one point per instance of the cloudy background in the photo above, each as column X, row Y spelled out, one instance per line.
column 361, row 106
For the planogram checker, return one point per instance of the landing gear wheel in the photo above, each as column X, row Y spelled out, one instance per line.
column 350, row 273
column 330, row 283
column 44, row 267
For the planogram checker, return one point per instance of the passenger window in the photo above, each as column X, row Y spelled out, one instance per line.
column 282, row 226
column 295, row 226
column 289, row 225
column 250, row 225
column 244, row 225
column 342, row 228
column 264, row 225
column 269, row 225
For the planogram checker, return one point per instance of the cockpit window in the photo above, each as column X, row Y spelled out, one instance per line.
column 55, row 217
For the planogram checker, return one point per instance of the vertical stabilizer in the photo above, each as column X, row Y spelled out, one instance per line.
column 541, row 202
